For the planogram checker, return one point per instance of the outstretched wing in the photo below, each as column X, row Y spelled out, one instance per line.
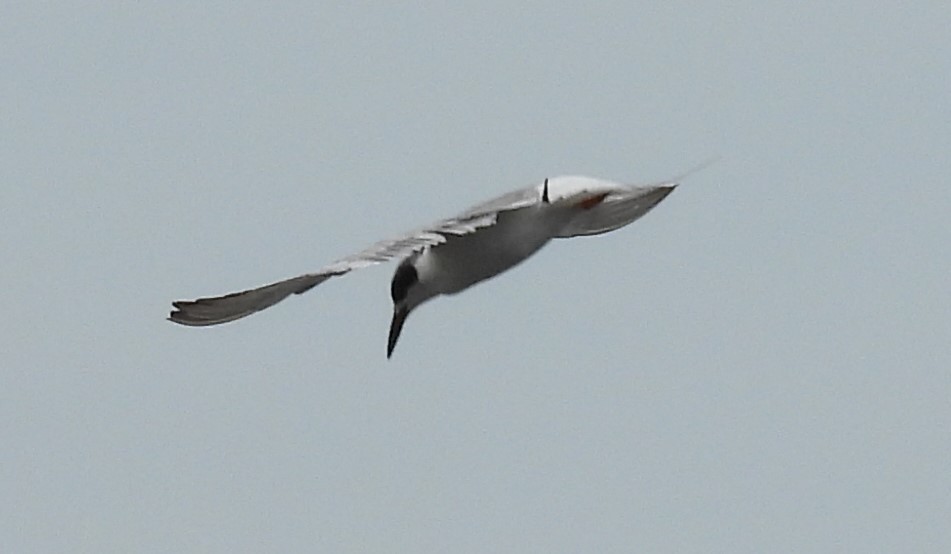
column 621, row 206
column 222, row 309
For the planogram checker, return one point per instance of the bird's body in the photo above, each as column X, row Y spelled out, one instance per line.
column 457, row 264
column 453, row 254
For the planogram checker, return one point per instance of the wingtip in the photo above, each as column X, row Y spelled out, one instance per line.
column 178, row 318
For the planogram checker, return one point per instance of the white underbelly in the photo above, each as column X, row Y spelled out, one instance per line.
column 463, row 261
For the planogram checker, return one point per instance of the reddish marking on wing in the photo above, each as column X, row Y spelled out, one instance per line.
column 589, row 203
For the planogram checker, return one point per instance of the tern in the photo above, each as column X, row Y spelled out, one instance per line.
column 453, row 254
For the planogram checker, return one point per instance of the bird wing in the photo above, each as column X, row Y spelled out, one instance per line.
column 222, row 309
column 622, row 206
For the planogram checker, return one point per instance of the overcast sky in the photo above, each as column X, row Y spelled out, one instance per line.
column 761, row 364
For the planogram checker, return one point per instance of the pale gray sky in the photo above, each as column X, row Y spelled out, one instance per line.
column 759, row 365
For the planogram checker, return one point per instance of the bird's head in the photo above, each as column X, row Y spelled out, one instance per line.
column 408, row 293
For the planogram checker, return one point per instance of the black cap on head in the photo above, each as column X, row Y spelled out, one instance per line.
column 404, row 278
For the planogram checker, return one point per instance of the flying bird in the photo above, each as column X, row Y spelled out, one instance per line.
column 453, row 254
